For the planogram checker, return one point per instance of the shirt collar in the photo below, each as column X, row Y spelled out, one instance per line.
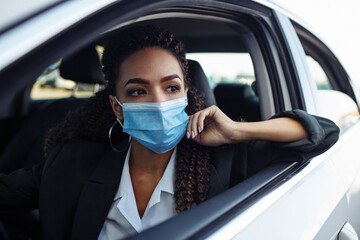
column 125, row 181
column 168, row 179
column 166, row 183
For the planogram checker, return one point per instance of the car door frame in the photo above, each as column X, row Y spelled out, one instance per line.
column 342, row 157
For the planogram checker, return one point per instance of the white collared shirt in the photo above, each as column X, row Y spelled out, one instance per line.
column 123, row 218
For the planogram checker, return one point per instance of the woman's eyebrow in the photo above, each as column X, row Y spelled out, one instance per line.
column 136, row 80
column 170, row 77
column 144, row 81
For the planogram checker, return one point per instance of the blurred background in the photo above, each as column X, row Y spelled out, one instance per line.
column 336, row 23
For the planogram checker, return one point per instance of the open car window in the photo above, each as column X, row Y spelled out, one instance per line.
column 226, row 67
column 318, row 74
column 231, row 78
column 336, row 97
column 50, row 85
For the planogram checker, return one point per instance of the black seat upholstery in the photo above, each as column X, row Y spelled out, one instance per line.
column 26, row 147
column 83, row 67
column 238, row 101
column 200, row 81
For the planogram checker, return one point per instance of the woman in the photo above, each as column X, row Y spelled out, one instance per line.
column 86, row 190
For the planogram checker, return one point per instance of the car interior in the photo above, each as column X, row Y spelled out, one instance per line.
column 241, row 96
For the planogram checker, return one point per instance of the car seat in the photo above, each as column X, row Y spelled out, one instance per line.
column 26, row 147
column 238, row 101
column 199, row 80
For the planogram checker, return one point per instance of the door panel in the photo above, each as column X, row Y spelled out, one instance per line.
column 347, row 162
column 300, row 207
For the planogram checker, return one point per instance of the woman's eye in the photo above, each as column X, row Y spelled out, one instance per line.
column 173, row 88
column 136, row 92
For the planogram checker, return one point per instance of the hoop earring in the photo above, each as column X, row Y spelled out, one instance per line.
column 122, row 140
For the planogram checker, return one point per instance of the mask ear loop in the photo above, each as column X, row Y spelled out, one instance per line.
column 121, row 107
column 124, row 148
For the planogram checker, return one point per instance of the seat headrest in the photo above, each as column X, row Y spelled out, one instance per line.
column 233, row 91
column 199, row 80
column 254, row 88
column 83, row 67
column 238, row 101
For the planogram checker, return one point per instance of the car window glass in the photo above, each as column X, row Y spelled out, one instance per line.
column 231, row 76
column 226, row 67
column 318, row 74
column 50, row 85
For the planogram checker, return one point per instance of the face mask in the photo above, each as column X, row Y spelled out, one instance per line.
column 157, row 126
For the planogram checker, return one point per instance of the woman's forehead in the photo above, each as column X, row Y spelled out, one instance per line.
column 150, row 63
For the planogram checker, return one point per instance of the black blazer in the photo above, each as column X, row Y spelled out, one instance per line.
column 73, row 190
column 75, row 187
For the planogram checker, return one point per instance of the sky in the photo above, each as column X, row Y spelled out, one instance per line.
column 336, row 23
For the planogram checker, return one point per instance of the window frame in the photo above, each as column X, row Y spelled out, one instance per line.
column 314, row 47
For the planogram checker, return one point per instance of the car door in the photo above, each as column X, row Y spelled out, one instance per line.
column 337, row 98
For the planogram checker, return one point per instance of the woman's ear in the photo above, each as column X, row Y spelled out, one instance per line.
column 117, row 109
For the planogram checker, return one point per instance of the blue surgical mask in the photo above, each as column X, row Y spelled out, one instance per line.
column 157, row 126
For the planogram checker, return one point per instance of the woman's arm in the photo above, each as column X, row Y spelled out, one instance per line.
column 277, row 130
column 299, row 135
column 211, row 127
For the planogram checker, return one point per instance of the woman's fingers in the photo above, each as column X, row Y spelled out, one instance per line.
column 191, row 127
column 200, row 121
column 196, row 123
column 194, row 131
column 188, row 127
column 210, row 127
column 191, row 133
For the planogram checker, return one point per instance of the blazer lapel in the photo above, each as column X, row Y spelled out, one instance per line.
column 216, row 185
column 97, row 196
column 220, row 170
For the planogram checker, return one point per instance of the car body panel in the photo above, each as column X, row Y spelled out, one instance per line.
column 297, row 217
column 47, row 25
column 347, row 164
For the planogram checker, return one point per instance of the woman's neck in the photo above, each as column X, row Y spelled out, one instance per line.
column 146, row 170
column 144, row 160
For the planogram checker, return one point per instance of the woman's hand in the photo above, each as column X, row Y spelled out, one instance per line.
column 211, row 127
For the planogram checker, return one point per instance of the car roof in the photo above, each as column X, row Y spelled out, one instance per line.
column 12, row 14
column 65, row 15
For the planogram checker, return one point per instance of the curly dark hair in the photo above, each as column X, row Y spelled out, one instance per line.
column 93, row 119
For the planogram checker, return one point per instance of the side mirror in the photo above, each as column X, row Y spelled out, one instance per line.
column 338, row 107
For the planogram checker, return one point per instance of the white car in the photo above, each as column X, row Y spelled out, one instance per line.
column 240, row 44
